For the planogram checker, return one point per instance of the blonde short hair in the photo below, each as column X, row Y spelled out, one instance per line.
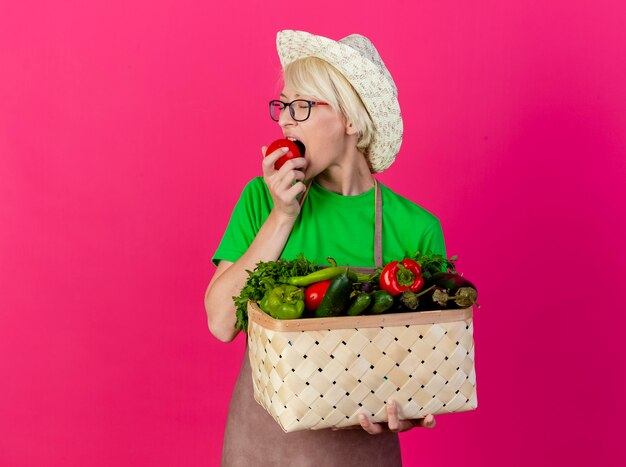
column 317, row 78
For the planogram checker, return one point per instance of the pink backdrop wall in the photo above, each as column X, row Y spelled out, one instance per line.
column 127, row 130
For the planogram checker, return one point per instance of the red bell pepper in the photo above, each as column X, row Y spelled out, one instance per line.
column 399, row 276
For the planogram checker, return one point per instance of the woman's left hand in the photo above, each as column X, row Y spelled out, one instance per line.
column 394, row 423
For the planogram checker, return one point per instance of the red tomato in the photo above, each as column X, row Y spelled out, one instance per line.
column 314, row 293
column 294, row 151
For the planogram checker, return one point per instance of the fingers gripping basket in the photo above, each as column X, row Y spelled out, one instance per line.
column 321, row 373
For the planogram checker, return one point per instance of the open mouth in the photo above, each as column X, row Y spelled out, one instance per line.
column 299, row 144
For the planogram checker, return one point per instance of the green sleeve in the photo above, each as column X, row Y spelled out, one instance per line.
column 433, row 242
column 247, row 217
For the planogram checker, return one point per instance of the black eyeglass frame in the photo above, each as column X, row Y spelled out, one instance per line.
column 292, row 112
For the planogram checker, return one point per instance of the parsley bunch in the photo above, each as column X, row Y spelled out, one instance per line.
column 267, row 275
column 432, row 264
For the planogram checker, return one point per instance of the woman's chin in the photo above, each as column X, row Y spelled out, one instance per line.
column 309, row 174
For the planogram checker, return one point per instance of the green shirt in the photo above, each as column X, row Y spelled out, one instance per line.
column 334, row 225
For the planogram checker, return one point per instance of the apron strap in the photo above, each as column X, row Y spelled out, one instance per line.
column 306, row 192
column 378, row 227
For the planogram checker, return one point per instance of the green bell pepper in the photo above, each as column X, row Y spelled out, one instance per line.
column 283, row 302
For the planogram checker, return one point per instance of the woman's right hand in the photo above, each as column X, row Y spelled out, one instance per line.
column 281, row 184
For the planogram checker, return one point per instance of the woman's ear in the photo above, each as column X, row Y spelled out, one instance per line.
column 351, row 129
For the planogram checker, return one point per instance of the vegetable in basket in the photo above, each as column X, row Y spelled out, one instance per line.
column 411, row 300
column 360, row 302
column 336, row 297
column 314, row 294
column 325, row 274
column 350, row 294
column 464, row 297
column 450, row 281
column 399, row 276
column 265, row 276
column 451, row 290
column 283, row 302
column 431, row 264
column 381, row 302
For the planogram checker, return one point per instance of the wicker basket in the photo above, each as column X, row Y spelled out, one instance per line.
column 322, row 372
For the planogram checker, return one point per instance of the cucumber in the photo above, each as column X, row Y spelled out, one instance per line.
column 336, row 298
column 359, row 304
column 381, row 301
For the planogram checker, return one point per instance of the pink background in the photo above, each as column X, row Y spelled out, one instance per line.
column 128, row 129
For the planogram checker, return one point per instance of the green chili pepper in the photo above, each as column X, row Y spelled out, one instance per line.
column 283, row 302
column 325, row 274
column 317, row 276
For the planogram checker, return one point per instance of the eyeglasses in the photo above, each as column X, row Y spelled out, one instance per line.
column 300, row 109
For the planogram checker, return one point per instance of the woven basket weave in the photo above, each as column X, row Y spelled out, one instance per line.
column 322, row 372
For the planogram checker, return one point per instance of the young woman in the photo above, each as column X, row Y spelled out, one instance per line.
column 340, row 101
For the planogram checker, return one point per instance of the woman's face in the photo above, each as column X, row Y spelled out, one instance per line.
column 323, row 134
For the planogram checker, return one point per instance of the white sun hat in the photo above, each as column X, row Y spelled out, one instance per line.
column 358, row 60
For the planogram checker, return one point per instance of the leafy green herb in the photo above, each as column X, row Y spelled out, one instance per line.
column 432, row 264
column 266, row 276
